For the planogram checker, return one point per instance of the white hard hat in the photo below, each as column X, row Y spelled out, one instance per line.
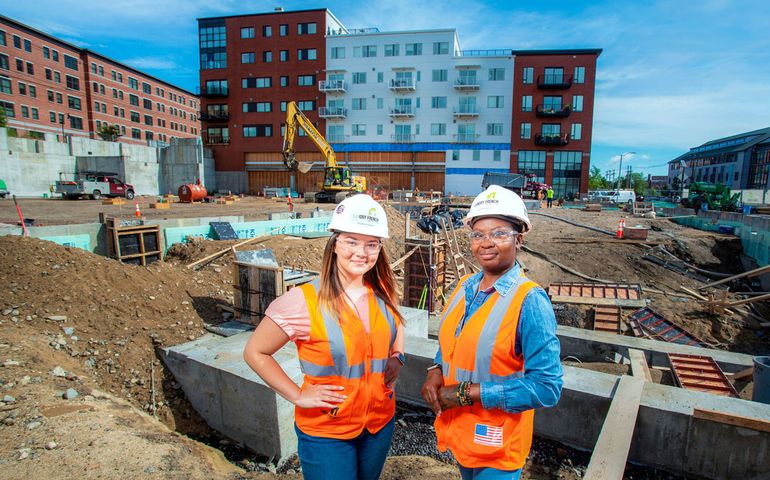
column 360, row 214
column 499, row 202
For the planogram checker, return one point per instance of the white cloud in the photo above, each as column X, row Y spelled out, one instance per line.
column 152, row 63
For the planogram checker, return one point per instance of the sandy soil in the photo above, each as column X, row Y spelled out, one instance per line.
column 73, row 320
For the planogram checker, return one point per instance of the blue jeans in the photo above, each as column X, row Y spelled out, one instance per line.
column 489, row 474
column 360, row 458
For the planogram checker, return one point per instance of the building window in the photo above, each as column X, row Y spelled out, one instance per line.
column 259, row 107
column 213, row 36
column 8, row 108
column 580, row 75
column 101, row 71
column 495, row 101
column 359, row 104
column 306, row 54
column 22, row 88
column 267, row 31
column 577, row 103
column 494, row 129
column 212, row 60
column 247, row 57
column 55, row 55
column 284, row 80
column 73, row 102
column 148, row 120
column 391, row 50
column 359, row 77
column 440, row 48
column 146, row 88
column 338, row 52
column 93, row 68
column 525, row 132
column 258, row 82
column 147, row 104
column 306, row 28
column 528, row 75
column 438, row 128
column 33, row 91
column 358, row 130
column 476, row 155
column 59, row 98
column 380, row 77
column 533, row 161
column 247, row 32
column 27, row 45
column 73, row 83
column 4, row 63
column 497, row 156
column 133, row 100
column 369, row 51
column 70, row 62
column 566, row 172
column 17, row 41
column 455, row 155
column 380, row 104
column 496, row 74
column 439, row 75
column 577, row 131
column 283, row 30
column 3, row 41
column 250, row 131
column 438, row 102
column 267, row 56
column 413, row 49
column 553, row 76
column 133, row 83
column 283, row 55
column 19, row 64
column 134, row 116
column 76, row 123
column 306, row 105
column 526, row 103
column 550, row 129
column 57, row 77
column 306, row 80
column 5, row 85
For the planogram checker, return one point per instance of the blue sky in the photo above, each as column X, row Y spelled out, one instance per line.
column 673, row 74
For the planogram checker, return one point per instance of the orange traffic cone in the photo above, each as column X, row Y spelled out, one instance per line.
column 621, row 226
column 138, row 213
column 291, row 205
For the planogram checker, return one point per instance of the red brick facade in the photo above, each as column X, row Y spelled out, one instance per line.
column 563, row 90
column 231, row 153
column 62, row 89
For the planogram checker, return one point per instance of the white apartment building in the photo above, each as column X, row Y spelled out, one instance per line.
column 418, row 91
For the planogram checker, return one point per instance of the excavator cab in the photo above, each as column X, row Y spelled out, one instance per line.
column 335, row 177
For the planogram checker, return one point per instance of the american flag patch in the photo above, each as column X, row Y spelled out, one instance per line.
column 488, row 435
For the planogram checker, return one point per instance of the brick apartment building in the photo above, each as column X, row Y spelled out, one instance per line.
column 405, row 109
column 50, row 86
column 552, row 111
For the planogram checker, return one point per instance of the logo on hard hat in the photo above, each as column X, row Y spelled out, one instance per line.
column 491, row 195
column 340, row 208
column 372, row 212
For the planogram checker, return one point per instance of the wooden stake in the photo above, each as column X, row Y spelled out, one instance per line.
column 257, row 239
column 750, row 273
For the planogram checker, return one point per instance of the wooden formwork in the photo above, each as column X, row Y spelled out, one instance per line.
column 131, row 241
column 257, row 285
column 425, row 274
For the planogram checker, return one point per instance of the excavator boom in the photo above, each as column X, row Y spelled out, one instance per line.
column 295, row 119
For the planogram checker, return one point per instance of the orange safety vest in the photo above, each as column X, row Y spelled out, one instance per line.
column 484, row 351
column 340, row 352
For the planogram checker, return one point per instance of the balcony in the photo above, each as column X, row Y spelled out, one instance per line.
column 214, row 92
column 466, row 111
column 332, row 112
column 332, row 86
column 555, row 140
column 209, row 139
column 403, row 138
column 402, row 85
column 553, row 112
column 466, row 137
column 467, row 84
column 555, row 82
column 214, row 117
column 402, row 111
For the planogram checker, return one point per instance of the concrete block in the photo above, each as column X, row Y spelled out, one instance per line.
column 415, row 322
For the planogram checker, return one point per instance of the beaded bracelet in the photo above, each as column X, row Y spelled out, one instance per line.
column 463, row 394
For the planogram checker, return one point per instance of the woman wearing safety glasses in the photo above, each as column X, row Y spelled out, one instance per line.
column 498, row 356
column 349, row 337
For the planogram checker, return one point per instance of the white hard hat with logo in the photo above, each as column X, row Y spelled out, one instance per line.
column 499, row 202
column 360, row 214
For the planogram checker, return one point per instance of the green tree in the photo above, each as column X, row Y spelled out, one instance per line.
column 596, row 181
column 3, row 118
column 108, row 132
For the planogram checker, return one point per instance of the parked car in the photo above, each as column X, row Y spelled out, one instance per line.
column 96, row 185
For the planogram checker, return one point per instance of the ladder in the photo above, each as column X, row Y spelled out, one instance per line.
column 458, row 261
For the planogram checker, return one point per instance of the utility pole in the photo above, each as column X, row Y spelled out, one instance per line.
column 628, row 177
column 620, row 167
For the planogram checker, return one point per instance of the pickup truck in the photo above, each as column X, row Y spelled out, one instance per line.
column 96, row 185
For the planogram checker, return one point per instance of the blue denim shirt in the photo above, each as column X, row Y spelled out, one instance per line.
column 535, row 339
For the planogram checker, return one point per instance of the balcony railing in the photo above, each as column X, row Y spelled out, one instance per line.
column 215, row 92
column 553, row 111
column 214, row 117
column 554, row 81
column 403, row 138
column 402, row 85
column 332, row 86
column 466, row 111
column 467, row 84
column 337, row 138
column 332, row 112
column 402, row 111
column 552, row 140
column 210, row 139
column 466, row 137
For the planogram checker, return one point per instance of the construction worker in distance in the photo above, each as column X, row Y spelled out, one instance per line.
column 549, row 196
column 350, row 343
column 498, row 356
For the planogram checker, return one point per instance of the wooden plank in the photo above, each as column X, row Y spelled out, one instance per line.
column 750, row 273
column 639, row 367
column 608, row 461
column 731, row 419
column 599, row 301
column 743, row 374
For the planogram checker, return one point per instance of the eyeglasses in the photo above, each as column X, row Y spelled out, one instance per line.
column 497, row 236
column 354, row 245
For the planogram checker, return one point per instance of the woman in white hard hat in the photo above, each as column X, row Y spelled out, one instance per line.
column 349, row 337
column 498, row 356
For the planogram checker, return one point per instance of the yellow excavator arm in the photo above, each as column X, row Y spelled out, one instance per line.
column 295, row 119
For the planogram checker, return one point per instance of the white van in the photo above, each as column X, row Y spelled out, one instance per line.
column 622, row 196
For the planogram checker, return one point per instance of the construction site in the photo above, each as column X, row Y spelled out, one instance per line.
column 122, row 337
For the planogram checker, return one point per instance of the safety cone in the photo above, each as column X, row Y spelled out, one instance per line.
column 137, row 212
column 621, row 226
column 291, row 205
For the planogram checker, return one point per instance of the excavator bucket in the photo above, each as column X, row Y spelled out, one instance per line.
column 304, row 167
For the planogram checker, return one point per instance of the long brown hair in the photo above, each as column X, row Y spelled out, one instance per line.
column 380, row 278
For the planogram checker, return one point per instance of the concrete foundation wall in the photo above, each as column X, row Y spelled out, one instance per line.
column 234, row 182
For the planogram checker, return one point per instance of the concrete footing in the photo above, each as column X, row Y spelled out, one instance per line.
column 667, row 435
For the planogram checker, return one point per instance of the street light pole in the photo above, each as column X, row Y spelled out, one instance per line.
column 620, row 168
